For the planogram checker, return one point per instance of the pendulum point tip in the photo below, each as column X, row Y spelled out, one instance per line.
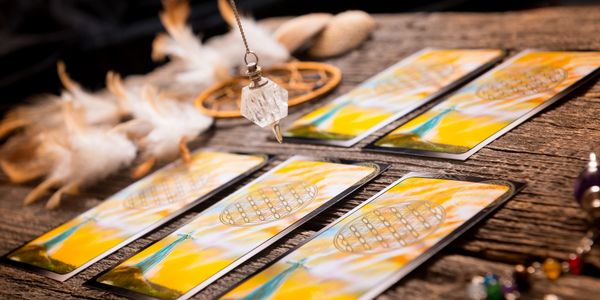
column 277, row 131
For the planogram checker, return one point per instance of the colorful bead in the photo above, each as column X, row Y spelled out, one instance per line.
column 490, row 279
column 509, row 289
column 590, row 202
column 535, row 270
column 521, row 277
column 588, row 178
column 552, row 268
column 494, row 292
column 493, row 288
column 551, row 297
column 476, row 289
column 574, row 264
column 565, row 267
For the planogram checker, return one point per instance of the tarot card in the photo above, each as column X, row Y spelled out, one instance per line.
column 379, row 242
column 236, row 228
column 491, row 105
column 136, row 210
column 390, row 95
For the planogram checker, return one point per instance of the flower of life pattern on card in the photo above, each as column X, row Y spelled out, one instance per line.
column 413, row 76
column 174, row 188
column 521, row 81
column 390, row 227
column 268, row 203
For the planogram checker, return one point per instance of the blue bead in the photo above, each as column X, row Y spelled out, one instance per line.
column 490, row 279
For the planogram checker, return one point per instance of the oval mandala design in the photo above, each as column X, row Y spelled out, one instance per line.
column 268, row 203
column 175, row 188
column 390, row 227
column 521, row 81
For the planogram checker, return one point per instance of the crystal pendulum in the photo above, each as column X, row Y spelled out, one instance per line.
column 263, row 101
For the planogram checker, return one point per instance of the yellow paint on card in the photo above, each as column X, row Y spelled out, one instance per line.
column 391, row 93
column 231, row 228
column 493, row 101
column 133, row 210
column 321, row 270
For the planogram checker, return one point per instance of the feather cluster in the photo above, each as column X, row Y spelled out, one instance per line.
column 194, row 65
column 45, row 111
column 262, row 42
column 161, row 124
column 78, row 154
column 68, row 140
column 76, row 138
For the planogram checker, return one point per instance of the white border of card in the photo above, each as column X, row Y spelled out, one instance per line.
column 371, row 147
column 349, row 143
column 62, row 277
column 379, row 168
column 406, row 269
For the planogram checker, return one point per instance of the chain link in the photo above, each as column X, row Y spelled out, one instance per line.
column 239, row 23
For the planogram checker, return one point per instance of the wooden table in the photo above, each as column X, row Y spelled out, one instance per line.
column 546, row 152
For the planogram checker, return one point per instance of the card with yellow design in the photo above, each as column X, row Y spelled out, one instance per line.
column 379, row 242
column 136, row 210
column 491, row 105
column 236, row 228
column 390, row 95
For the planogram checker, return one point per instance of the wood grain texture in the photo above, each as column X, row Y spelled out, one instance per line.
column 546, row 152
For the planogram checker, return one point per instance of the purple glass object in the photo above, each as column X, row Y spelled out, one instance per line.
column 588, row 178
column 509, row 290
column 590, row 202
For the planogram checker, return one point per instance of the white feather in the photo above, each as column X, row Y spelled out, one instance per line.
column 79, row 154
column 169, row 120
column 201, row 63
column 204, row 64
column 260, row 41
column 44, row 111
column 99, row 108
column 88, row 155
